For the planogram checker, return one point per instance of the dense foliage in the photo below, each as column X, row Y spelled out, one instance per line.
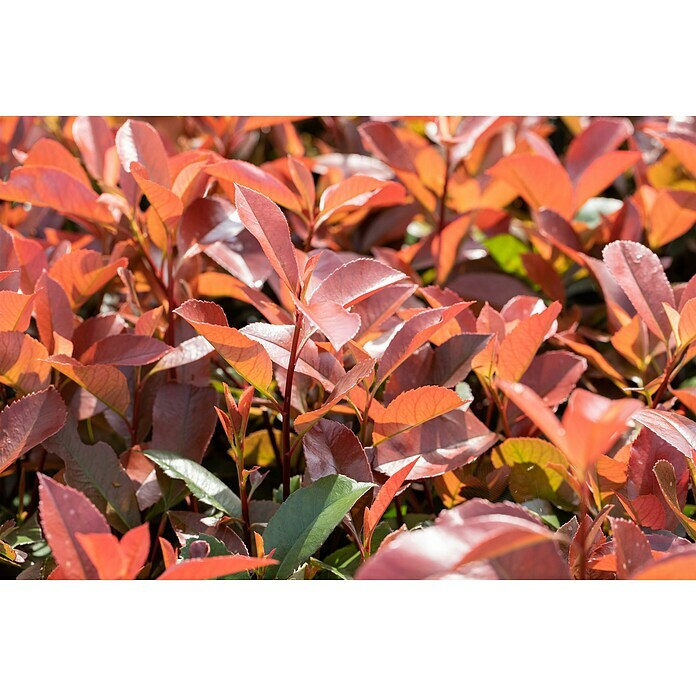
column 322, row 348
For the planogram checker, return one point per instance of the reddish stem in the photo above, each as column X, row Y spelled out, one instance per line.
column 287, row 452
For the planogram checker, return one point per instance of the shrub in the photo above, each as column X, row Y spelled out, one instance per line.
column 346, row 347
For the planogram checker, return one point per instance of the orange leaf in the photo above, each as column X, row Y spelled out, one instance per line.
column 168, row 553
column 245, row 355
column 232, row 172
column 15, row 310
column 541, row 182
column 83, row 273
column 167, row 204
column 384, row 498
column 213, row 567
column 672, row 214
column 412, row 408
column 54, row 188
column 677, row 566
column 21, row 365
column 353, row 377
column 107, row 383
column 518, row 348
column 117, row 559
column 601, row 173
column 50, row 153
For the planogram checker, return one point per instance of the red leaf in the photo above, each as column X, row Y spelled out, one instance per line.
column 337, row 324
column 94, row 139
column 602, row 136
column 442, row 444
column 262, row 217
column 252, row 177
column 640, row 274
column 667, row 480
column 52, row 311
column 631, row 548
column 125, row 349
column 415, row 332
column 652, row 510
column 504, row 539
column 358, row 192
column 354, row 282
column 27, row 422
column 183, row 419
column 54, row 188
column 64, row 513
column 331, row 448
column 277, row 341
column 137, row 141
column 674, row 429
column 384, row 498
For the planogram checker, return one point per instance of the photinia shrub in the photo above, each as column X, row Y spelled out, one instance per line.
column 336, row 348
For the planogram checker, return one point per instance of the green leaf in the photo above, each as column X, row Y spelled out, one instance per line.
column 207, row 487
column 217, row 547
column 305, row 520
column 507, row 251
column 537, row 470
column 295, row 485
column 544, row 510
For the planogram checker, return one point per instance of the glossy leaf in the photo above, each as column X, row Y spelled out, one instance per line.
column 214, row 567
column 503, row 538
column 246, row 356
column 413, row 408
column 117, row 559
column 125, row 349
column 27, row 422
column 207, row 487
column 331, row 448
column 65, row 513
column 21, row 362
column 107, row 383
column 267, row 223
column 306, row 519
column 640, row 274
